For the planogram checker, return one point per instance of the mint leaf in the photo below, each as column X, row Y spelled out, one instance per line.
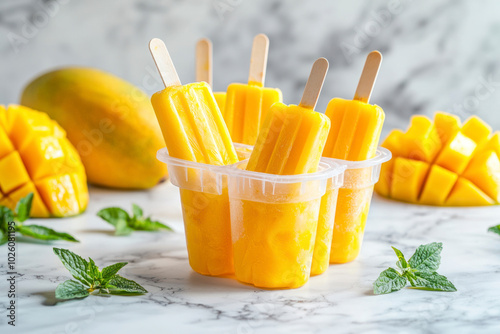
column 122, row 228
column 114, row 215
column 402, row 264
column 3, row 237
column 148, row 225
column 23, row 207
column 388, row 281
column 76, row 265
column 70, row 290
column 94, row 272
column 122, row 286
column 495, row 229
column 432, row 281
column 420, row 271
column 137, row 211
column 427, row 258
column 44, row 233
column 124, row 224
column 6, row 216
column 110, row 271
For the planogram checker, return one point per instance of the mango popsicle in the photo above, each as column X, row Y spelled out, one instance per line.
column 204, row 69
column 273, row 240
column 194, row 130
column 247, row 104
column 355, row 133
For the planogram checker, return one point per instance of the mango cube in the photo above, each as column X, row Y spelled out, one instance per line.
column 392, row 143
column 38, row 208
column 421, row 141
column 408, row 179
column 438, row 186
column 12, row 172
column 60, row 195
column 457, row 153
column 484, row 172
column 476, row 129
column 447, row 125
column 465, row 193
column 493, row 144
column 6, row 146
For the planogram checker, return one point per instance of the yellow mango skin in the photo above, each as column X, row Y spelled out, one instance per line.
column 324, row 233
column 208, row 232
column 355, row 130
column 290, row 142
column 408, row 179
column 438, row 186
column 465, row 193
column 192, row 125
column 447, row 125
column 392, row 142
column 109, row 121
column 47, row 165
column 273, row 244
column 476, row 129
column 457, row 153
column 350, row 219
column 246, row 108
column 421, row 141
column 484, row 172
column 220, row 98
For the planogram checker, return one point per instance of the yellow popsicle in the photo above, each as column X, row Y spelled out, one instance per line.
column 275, row 242
column 247, row 104
column 354, row 135
column 194, row 130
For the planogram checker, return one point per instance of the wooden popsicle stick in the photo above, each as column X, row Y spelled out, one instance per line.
column 368, row 77
column 314, row 84
column 258, row 60
column 164, row 63
column 204, row 61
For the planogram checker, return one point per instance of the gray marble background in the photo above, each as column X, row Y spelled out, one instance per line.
column 438, row 54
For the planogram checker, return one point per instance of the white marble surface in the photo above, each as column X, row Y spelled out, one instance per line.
column 340, row 301
column 436, row 52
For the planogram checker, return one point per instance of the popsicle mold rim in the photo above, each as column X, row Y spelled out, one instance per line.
column 353, row 177
column 214, row 184
column 327, row 170
column 272, row 188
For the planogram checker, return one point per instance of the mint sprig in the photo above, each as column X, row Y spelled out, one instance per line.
column 21, row 214
column 495, row 229
column 90, row 280
column 124, row 223
column 419, row 271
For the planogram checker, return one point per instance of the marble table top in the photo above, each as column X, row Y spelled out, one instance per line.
column 339, row 301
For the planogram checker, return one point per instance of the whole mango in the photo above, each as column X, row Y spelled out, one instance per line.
column 110, row 122
column 36, row 157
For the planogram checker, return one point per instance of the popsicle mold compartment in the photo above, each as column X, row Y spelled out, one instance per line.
column 205, row 211
column 274, row 219
column 353, row 205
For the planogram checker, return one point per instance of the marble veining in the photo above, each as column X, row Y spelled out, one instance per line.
column 438, row 54
column 340, row 301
